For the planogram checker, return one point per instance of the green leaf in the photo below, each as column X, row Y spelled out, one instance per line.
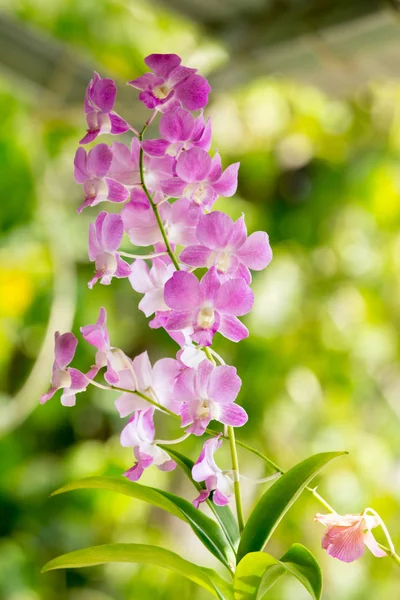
column 301, row 563
column 277, row 500
column 257, row 572
column 250, row 572
column 144, row 554
column 205, row 528
column 222, row 513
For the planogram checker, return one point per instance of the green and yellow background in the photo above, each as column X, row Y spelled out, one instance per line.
column 321, row 174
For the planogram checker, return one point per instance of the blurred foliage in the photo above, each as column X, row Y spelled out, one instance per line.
column 320, row 370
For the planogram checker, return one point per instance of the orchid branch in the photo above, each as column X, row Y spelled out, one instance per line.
column 150, row 199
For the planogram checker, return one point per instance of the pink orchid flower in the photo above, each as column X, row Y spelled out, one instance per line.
column 113, row 358
column 105, row 236
column 142, row 227
column 179, row 131
column 125, row 167
column 155, row 382
column 207, row 306
column 206, row 469
column 150, row 282
column 91, row 170
column 139, row 433
column 224, row 245
column 70, row 380
column 200, row 178
column 208, row 393
column 99, row 104
column 347, row 535
column 170, row 84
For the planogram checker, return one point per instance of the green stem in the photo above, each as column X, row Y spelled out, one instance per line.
column 152, row 203
column 395, row 557
column 149, row 400
column 236, row 482
column 235, row 461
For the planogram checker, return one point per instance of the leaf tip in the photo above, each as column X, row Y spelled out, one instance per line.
column 45, row 568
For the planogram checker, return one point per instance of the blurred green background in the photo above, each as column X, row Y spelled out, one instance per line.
column 309, row 103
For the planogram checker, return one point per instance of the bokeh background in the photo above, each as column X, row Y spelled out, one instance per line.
column 306, row 95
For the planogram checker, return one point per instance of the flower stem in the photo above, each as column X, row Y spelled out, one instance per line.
column 151, row 201
column 236, row 482
column 393, row 555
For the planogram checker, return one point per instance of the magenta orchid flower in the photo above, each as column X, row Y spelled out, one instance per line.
column 99, row 104
column 347, row 535
column 207, row 394
column 200, row 178
column 170, row 84
column 142, row 227
column 105, row 236
column 224, row 245
column 205, row 469
column 91, row 170
column 179, row 131
column 150, row 282
column 70, row 380
column 155, row 382
column 125, row 167
column 108, row 356
column 207, row 306
column 139, row 433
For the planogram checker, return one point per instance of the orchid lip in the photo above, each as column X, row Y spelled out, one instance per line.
column 63, row 379
column 223, row 261
column 161, row 92
column 206, row 318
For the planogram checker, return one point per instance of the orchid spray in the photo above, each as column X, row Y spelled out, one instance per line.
column 166, row 188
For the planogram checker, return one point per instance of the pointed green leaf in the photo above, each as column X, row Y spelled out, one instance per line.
column 205, row 528
column 250, row 572
column 277, row 500
column 258, row 572
column 301, row 563
column 222, row 513
column 143, row 554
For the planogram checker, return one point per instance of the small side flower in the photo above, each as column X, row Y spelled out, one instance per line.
column 218, row 483
column 347, row 535
column 70, row 380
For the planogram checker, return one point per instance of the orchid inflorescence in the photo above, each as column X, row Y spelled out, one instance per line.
column 166, row 188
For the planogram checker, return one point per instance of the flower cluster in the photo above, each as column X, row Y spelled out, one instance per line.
column 166, row 187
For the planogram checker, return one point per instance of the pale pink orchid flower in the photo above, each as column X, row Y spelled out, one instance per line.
column 347, row 535
column 70, row 380
column 91, row 170
column 179, row 132
column 200, row 178
column 139, row 434
column 105, row 236
column 207, row 306
column 142, row 227
column 217, row 482
column 208, row 393
column 224, row 244
column 125, row 167
column 156, row 382
column 151, row 282
column 113, row 358
column 100, row 116
column 170, row 84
